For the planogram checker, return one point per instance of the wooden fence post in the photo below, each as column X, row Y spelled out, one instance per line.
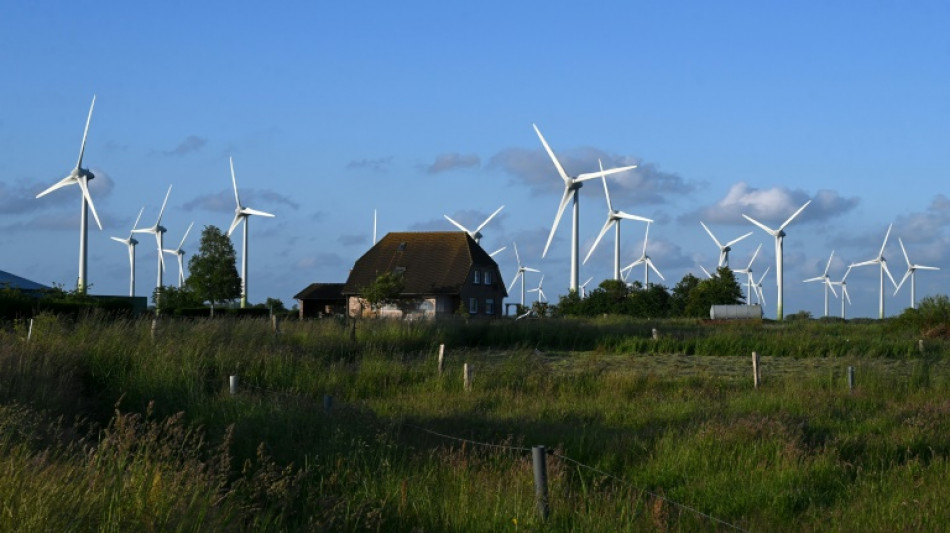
column 756, row 370
column 539, row 460
column 154, row 328
column 327, row 403
column 275, row 324
column 850, row 378
column 29, row 331
column 656, row 334
column 233, row 385
column 441, row 359
column 920, row 345
column 467, row 376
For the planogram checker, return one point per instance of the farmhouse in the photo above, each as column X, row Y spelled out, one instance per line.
column 442, row 273
column 321, row 299
column 12, row 281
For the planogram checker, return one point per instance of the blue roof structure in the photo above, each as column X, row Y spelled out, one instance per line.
column 16, row 282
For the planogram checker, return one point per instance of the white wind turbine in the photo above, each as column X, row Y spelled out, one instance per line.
column 844, row 290
column 613, row 219
column 571, row 186
column 724, row 249
column 130, row 242
column 584, row 287
column 759, row 295
column 826, row 281
column 539, row 290
column 779, row 234
column 80, row 176
column 159, row 231
column 475, row 234
column 912, row 274
column 520, row 274
column 880, row 260
column 645, row 260
column 750, row 280
column 242, row 214
column 180, row 254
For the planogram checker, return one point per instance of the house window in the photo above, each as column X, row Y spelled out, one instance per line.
column 473, row 305
column 477, row 278
column 489, row 306
column 488, row 277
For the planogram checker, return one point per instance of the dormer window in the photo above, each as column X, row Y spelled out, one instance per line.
column 401, row 247
column 477, row 278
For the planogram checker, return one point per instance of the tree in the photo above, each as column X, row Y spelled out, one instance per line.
column 721, row 289
column 383, row 290
column 213, row 270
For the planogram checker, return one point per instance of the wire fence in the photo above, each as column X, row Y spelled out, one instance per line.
column 329, row 405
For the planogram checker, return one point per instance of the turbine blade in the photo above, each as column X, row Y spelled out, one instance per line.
column 457, row 225
column 591, row 175
column 120, row 239
column 906, row 257
column 557, row 164
column 651, row 265
column 182, row 243
column 646, row 239
column 529, row 269
column 517, row 257
column 249, row 211
column 708, row 275
column 603, row 231
column 709, row 231
column 238, row 217
column 498, row 251
column 85, row 192
column 754, row 255
column 767, row 229
column 515, row 280
column 82, row 147
column 886, row 235
column 557, row 220
column 903, row 279
column 487, row 220
column 831, row 286
column 863, row 263
column 733, row 241
column 161, row 256
column 888, row 272
column 844, row 291
column 237, row 199
column 162, row 211
column 828, row 265
column 68, row 180
column 628, row 216
column 610, row 208
column 809, row 280
column 795, row 214
column 138, row 217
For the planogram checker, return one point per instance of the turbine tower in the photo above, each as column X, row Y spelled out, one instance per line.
column 242, row 214
column 880, row 260
column 645, row 260
column 475, row 234
column 130, row 242
column 571, row 186
column 520, row 274
column 159, row 231
column 912, row 274
column 779, row 234
column 723, row 248
column 180, row 254
column 826, row 281
column 80, row 176
column 750, row 280
column 613, row 219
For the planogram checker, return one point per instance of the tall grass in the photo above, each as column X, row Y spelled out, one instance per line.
column 103, row 427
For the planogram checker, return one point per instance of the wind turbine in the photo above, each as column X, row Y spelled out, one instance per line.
column 571, row 186
column 613, row 219
column 826, row 281
column 520, row 274
column 912, row 274
column 80, row 176
column 879, row 260
column 723, row 248
column 759, row 295
column 475, row 234
column 750, row 280
column 539, row 290
column 645, row 260
column 180, row 254
column 242, row 214
column 584, row 287
column 779, row 234
column 159, row 231
column 844, row 290
column 130, row 242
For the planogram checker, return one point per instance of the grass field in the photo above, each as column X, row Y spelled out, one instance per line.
column 105, row 428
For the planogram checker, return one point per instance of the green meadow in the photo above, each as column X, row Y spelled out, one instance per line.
column 107, row 427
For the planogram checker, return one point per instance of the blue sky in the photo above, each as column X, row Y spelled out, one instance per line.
column 419, row 109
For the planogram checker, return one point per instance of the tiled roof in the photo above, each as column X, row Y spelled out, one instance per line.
column 321, row 291
column 435, row 262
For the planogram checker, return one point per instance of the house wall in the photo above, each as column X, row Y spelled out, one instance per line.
column 488, row 297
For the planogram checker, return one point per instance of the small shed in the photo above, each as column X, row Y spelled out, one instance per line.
column 735, row 312
column 321, row 299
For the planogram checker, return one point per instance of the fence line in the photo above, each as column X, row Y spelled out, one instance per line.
column 510, row 448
